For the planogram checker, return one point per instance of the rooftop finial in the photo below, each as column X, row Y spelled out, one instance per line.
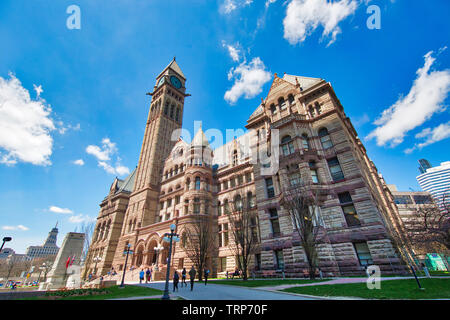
column 174, row 58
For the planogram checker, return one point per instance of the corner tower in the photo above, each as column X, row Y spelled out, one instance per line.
column 164, row 117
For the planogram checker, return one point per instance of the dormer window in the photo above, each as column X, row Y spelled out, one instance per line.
column 318, row 108
column 273, row 109
column 311, row 111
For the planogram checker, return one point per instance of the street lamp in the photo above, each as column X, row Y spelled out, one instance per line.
column 125, row 268
column 168, row 237
column 157, row 250
column 96, row 259
column 5, row 239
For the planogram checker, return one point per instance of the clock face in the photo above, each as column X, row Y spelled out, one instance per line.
column 161, row 81
column 175, row 82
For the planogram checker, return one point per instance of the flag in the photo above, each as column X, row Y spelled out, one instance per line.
column 68, row 262
column 73, row 259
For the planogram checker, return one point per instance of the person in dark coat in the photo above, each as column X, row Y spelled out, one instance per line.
column 183, row 277
column 176, row 279
column 205, row 274
column 192, row 274
column 148, row 274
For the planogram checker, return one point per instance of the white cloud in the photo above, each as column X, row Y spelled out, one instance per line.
column 426, row 97
column 304, row 16
column 269, row 2
column 249, row 79
column 431, row 136
column 81, row 218
column 38, row 90
column 25, row 125
column 233, row 51
column 104, row 155
column 230, row 5
column 63, row 129
column 60, row 210
column 79, row 162
column 14, row 228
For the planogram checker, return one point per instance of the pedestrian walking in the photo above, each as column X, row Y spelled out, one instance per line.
column 176, row 279
column 205, row 274
column 192, row 273
column 90, row 277
column 141, row 275
column 148, row 274
column 183, row 277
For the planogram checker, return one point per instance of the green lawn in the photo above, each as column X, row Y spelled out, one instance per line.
column 264, row 283
column 390, row 289
column 111, row 293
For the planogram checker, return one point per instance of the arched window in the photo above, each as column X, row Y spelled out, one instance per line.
column 219, row 208
column 273, row 109
column 291, row 99
column 325, row 138
column 176, row 169
column 318, row 108
column 287, row 145
column 235, row 157
column 305, row 141
column 311, row 111
column 238, row 202
column 197, row 183
column 183, row 240
column 282, row 103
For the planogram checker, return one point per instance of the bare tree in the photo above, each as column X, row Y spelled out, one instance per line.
column 88, row 229
column 198, row 241
column 244, row 228
column 428, row 226
column 302, row 201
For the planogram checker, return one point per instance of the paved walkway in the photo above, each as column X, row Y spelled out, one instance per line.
column 225, row 292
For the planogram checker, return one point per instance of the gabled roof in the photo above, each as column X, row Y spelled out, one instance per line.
column 200, row 139
column 127, row 185
column 175, row 67
column 305, row 82
column 257, row 112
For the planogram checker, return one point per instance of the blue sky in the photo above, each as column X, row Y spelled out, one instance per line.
column 87, row 87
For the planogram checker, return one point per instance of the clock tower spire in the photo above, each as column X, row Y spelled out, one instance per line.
column 164, row 118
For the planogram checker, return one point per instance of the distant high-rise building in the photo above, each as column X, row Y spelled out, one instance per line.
column 436, row 180
column 49, row 248
column 424, row 164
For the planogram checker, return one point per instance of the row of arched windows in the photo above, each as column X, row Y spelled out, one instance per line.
column 315, row 110
column 197, row 184
column 172, row 111
column 225, row 208
column 282, row 104
column 102, row 231
column 287, row 144
column 174, row 171
column 234, row 181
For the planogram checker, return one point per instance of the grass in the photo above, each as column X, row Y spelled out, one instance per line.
column 265, row 283
column 390, row 289
column 112, row 293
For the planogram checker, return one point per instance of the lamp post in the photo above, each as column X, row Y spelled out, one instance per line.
column 96, row 260
column 5, row 239
column 169, row 237
column 122, row 285
column 157, row 250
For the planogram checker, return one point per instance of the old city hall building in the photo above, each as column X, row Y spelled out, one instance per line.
column 317, row 144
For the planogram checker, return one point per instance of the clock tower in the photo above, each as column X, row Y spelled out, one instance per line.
column 164, row 118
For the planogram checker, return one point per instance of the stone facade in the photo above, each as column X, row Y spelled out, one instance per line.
column 318, row 145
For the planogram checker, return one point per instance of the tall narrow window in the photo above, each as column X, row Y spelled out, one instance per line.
column 291, row 99
column 318, row 108
column 172, row 110
column 351, row 217
column 251, row 200
column 238, row 202
column 248, row 177
column 197, row 183
column 294, row 179
column 313, row 170
column 274, row 223
column 335, row 169
column 287, row 145
column 219, row 208
column 305, row 142
column 235, row 158
column 363, row 253
column 273, row 109
column 177, row 115
column 226, row 207
column 311, row 111
column 196, row 205
column 279, row 259
column 270, row 188
column 282, row 103
column 325, row 138
column 166, row 108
